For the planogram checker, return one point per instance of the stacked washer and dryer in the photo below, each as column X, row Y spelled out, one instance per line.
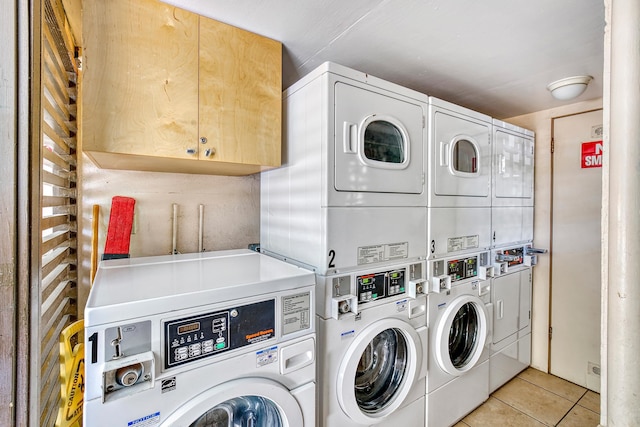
column 459, row 265
column 218, row 338
column 512, row 253
column 349, row 204
column 405, row 210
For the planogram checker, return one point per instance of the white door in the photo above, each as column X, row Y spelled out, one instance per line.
column 524, row 319
column 505, row 296
column 512, row 168
column 461, row 156
column 379, row 142
column 575, row 253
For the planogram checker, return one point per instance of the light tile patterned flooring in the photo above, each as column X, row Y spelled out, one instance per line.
column 535, row 399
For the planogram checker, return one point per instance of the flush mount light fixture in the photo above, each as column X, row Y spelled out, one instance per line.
column 569, row 88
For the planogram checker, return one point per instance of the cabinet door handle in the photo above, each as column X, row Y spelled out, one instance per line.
column 191, row 151
column 209, row 152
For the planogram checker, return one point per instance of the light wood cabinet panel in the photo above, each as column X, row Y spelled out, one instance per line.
column 140, row 68
column 240, row 94
column 158, row 79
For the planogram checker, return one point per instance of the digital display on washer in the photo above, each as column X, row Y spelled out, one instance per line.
column 196, row 337
column 191, row 327
column 376, row 286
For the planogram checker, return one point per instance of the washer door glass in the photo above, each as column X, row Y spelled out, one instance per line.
column 463, row 335
column 381, row 369
column 244, row 411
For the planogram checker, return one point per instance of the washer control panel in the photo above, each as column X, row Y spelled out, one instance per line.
column 372, row 287
column 193, row 338
column 464, row 268
column 456, row 269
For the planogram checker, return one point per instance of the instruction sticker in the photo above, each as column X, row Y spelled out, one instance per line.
column 296, row 313
column 455, row 244
column 149, row 420
column 379, row 253
column 401, row 305
column 266, row 356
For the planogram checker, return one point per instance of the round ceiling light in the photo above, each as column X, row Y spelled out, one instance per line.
column 569, row 88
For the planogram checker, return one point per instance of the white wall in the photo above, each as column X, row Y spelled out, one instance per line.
column 540, row 123
column 231, row 212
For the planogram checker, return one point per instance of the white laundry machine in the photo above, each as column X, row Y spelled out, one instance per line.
column 511, row 289
column 351, row 192
column 460, row 153
column 512, row 184
column 459, row 184
column 372, row 345
column 218, row 338
column 459, row 322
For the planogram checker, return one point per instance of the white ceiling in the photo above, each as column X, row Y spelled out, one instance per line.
column 494, row 56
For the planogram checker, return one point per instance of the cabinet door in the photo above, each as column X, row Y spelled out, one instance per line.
column 506, row 306
column 524, row 319
column 240, row 95
column 140, row 78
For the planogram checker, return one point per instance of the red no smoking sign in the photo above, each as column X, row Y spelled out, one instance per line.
column 592, row 154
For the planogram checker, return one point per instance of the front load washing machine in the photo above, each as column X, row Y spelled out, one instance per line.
column 459, row 322
column 218, row 338
column 373, row 348
column 351, row 192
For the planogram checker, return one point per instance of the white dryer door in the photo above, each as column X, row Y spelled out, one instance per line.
column 379, row 370
column 461, row 334
column 378, row 142
column 247, row 402
column 461, row 156
column 513, row 168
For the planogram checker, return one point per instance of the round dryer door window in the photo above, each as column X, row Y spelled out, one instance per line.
column 384, row 141
column 461, row 334
column 378, row 370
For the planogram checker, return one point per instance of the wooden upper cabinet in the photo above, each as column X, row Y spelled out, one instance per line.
column 166, row 90
column 240, row 89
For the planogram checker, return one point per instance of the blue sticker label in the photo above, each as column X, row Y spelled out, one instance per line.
column 347, row 334
column 145, row 421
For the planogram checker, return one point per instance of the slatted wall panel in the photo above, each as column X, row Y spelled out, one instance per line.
column 58, row 290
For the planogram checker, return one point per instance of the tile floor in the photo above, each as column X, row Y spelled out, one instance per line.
column 535, row 399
